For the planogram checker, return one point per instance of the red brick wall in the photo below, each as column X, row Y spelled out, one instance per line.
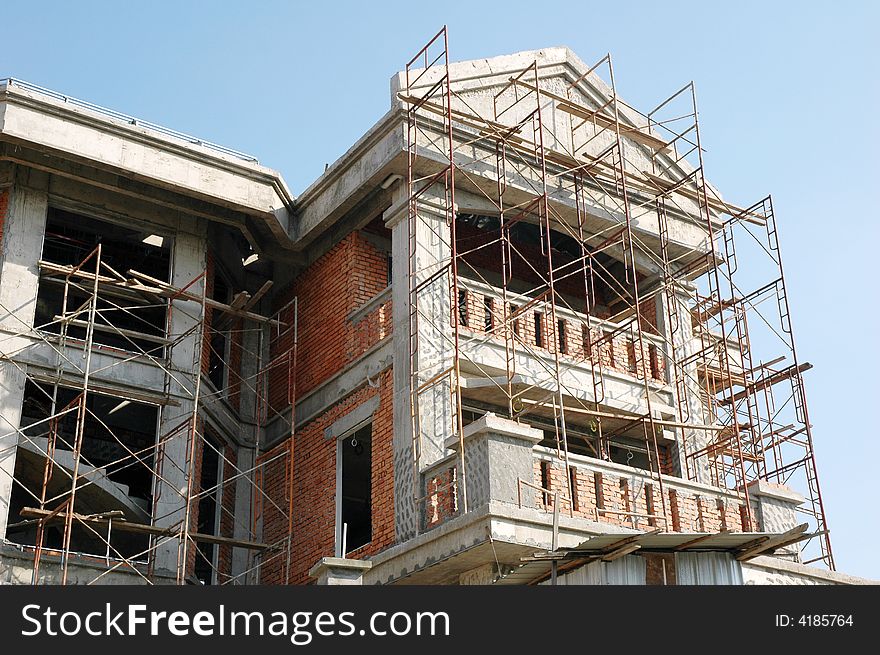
column 272, row 495
column 227, row 512
column 618, row 352
column 441, row 503
column 209, row 312
column 369, row 330
column 685, row 511
column 336, row 284
column 4, row 206
column 313, row 488
column 235, row 353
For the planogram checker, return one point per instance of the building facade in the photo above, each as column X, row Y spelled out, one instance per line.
column 501, row 340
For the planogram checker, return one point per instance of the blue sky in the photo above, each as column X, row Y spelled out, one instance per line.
column 788, row 98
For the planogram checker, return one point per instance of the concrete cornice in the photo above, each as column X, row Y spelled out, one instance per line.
column 71, row 131
column 775, row 564
column 761, row 488
column 392, row 119
column 137, row 131
column 492, row 424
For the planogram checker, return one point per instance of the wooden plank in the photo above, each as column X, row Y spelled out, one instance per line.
column 574, row 109
column 620, row 552
column 116, row 392
column 702, row 315
column 262, row 291
column 795, row 534
column 626, row 417
column 769, row 381
column 115, row 330
column 140, row 528
column 170, row 291
column 238, row 303
column 63, row 269
column 699, row 540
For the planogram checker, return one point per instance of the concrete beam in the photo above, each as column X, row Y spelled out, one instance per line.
column 141, row 152
column 375, row 156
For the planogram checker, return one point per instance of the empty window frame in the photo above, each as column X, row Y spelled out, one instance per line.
column 573, row 483
column 354, row 485
column 561, row 335
column 210, row 478
column 116, row 465
column 546, row 481
column 220, row 326
column 122, row 315
column 462, row 307
column 631, row 360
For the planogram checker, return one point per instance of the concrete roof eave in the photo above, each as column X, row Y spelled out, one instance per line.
column 379, row 153
column 84, row 135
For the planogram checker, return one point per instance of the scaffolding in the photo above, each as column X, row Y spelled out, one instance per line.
column 170, row 544
column 588, row 172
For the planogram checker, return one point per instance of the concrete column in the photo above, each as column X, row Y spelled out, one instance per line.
column 188, row 259
column 23, row 233
column 243, row 508
column 497, row 454
column 775, row 508
column 435, row 347
column 435, row 341
column 244, row 485
column 684, row 344
column 340, row 571
column 405, row 517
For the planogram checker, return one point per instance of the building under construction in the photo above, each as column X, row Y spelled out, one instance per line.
column 512, row 336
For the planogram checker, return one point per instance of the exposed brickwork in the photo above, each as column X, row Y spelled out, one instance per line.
column 209, row 312
column 227, row 512
column 441, row 502
column 313, row 488
column 602, row 495
column 271, row 507
column 328, row 291
column 235, row 354
column 4, row 207
column 483, row 314
column 369, row 330
column 659, row 568
column 667, row 461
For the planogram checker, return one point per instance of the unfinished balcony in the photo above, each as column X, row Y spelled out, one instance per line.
column 513, row 499
column 601, row 361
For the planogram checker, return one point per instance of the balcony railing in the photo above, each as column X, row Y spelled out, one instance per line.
column 600, row 491
column 617, row 494
column 480, row 309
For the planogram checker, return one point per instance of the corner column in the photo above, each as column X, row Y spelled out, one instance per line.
column 22, row 242
column 188, row 259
